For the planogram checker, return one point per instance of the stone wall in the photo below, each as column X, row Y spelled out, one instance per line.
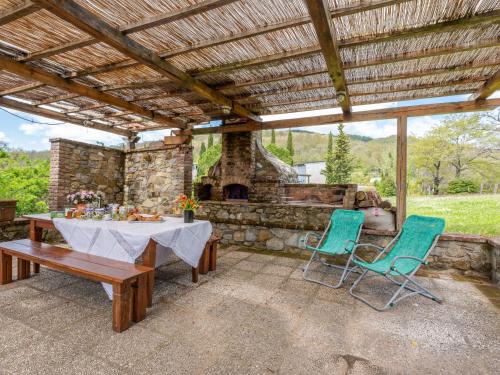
column 156, row 175
column 318, row 193
column 78, row 166
column 495, row 260
column 282, row 227
column 14, row 230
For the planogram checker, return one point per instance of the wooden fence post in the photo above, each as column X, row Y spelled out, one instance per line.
column 401, row 171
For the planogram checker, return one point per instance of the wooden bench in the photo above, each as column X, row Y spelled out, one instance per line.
column 208, row 260
column 129, row 280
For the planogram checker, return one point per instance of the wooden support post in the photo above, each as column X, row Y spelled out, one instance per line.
column 23, row 269
column 122, row 306
column 149, row 260
column 140, row 298
column 5, row 268
column 401, row 171
column 35, row 235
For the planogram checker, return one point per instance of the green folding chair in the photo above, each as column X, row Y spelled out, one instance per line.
column 339, row 238
column 403, row 257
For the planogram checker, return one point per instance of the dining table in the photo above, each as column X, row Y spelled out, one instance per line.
column 147, row 243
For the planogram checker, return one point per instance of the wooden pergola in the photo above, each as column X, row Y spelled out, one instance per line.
column 131, row 66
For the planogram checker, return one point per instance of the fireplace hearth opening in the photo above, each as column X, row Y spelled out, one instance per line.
column 235, row 192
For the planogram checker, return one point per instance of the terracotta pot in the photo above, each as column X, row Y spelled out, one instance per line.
column 7, row 210
column 188, row 216
column 81, row 206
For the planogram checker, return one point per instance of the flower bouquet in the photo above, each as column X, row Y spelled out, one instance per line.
column 82, row 198
column 189, row 206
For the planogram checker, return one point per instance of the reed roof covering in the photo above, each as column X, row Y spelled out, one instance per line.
column 177, row 63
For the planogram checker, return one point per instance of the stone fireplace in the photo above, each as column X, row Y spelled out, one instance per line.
column 246, row 171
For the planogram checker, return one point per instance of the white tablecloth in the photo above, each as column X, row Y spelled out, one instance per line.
column 126, row 241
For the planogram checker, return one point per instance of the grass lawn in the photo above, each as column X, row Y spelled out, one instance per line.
column 473, row 214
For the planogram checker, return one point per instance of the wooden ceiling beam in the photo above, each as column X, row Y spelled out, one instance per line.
column 81, row 18
column 373, row 115
column 50, row 79
column 19, row 11
column 327, row 37
column 410, row 75
column 22, row 88
column 489, row 87
column 27, row 108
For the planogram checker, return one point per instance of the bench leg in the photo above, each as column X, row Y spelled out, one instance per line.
column 36, row 267
column 23, row 269
column 122, row 306
column 5, row 268
column 213, row 257
column 194, row 274
column 204, row 260
column 36, row 234
column 140, row 298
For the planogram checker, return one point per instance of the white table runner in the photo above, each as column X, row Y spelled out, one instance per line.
column 126, row 241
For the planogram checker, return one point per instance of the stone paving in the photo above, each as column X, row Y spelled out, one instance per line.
column 255, row 315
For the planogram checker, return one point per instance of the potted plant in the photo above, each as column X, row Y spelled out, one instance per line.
column 189, row 206
column 7, row 209
column 81, row 198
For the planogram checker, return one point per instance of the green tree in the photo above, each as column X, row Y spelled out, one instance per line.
column 281, row 153
column 343, row 162
column 207, row 160
column 210, row 140
column 289, row 143
column 329, row 162
column 387, row 185
column 273, row 137
column 203, row 149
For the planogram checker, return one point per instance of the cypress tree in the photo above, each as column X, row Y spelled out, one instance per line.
column 210, row 140
column 289, row 143
column 273, row 137
column 343, row 163
column 328, row 171
column 202, row 148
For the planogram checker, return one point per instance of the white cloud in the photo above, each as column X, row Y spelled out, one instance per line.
column 3, row 137
column 31, row 129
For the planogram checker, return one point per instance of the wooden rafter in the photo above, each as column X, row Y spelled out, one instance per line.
column 23, row 9
column 490, row 86
column 13, row 104
column 89, row 23
column 379, row 114
column 327, row 38
column 395, row 77
column 50, row 79
column 131, row 28
column 401, row 88
column 22, row 88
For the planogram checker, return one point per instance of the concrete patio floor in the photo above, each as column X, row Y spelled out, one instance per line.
column 255, row 315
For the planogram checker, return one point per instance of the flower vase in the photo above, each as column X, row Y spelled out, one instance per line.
column 188, row 216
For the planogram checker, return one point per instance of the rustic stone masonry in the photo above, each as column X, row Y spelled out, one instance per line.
column 78, row 166
column 282, row 227
column 14, row 230
column 156, row 175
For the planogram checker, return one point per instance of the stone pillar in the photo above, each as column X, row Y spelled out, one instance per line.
column 78, row 166
column 156, row 175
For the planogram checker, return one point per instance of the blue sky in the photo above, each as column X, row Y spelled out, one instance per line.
column 28, row 136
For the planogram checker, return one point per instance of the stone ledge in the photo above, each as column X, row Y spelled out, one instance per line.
column 16, row 221
column 270, row 204
column 87, row 145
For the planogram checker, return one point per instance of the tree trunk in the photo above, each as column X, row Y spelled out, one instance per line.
column 437, row 179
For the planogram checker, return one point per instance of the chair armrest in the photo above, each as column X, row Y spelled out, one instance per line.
column 380, row 249
column 392, row 268
column 310, row 234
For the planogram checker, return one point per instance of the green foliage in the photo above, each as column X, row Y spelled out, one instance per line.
column 273, row 137
column 203, row 149
column 24, row 180
column 208, row 159
column 339, row 163
column 329, row 161
column 289, row 143
column 281, row 153
column 210, row 140
column 386, row 187
column 460, row 186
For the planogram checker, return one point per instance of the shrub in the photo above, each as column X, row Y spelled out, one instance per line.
column 460, row 185
column 281, row 153
column 386, row 187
